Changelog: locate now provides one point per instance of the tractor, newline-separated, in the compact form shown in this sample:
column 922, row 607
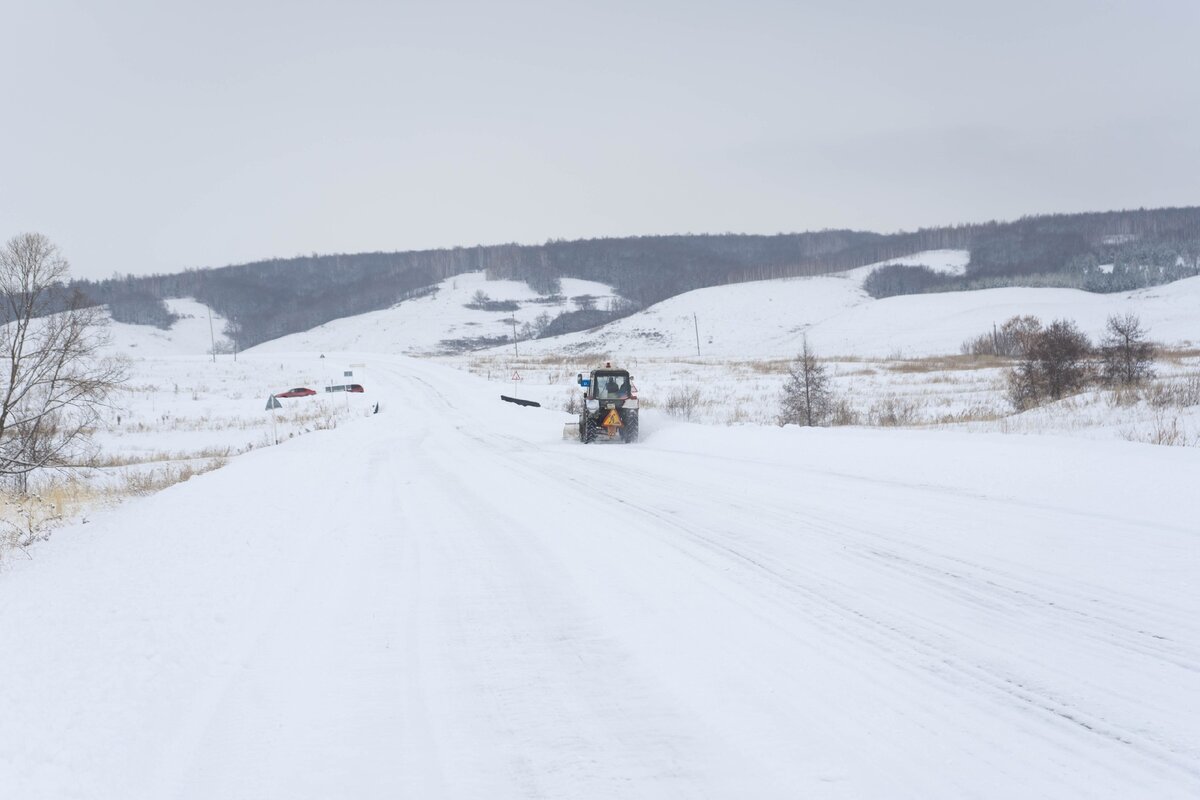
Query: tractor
column 610, row 406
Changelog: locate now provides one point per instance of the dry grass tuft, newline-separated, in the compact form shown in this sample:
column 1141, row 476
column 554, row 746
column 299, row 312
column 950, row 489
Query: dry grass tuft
column 1167, row 432
column 1175, row 394
column 955, row 363
column 155, row 480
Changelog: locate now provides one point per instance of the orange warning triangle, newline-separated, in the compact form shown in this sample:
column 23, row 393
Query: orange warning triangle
column 613, row 420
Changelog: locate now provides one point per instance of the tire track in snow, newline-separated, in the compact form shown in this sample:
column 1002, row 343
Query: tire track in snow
column 952, row 664
column 830, row 605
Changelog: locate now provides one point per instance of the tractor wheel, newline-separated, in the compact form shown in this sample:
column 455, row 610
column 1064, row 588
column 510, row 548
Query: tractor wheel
column 629, row 433
column 588, row 433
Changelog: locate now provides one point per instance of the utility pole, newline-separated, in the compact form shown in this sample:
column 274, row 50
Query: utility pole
column 211, row 336
column 514, row 321
column 696, row 322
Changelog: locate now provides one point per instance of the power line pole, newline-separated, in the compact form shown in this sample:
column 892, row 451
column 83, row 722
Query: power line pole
column 696, row 322
column 211, row 336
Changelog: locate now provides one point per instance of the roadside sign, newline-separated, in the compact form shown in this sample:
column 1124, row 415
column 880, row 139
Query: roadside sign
column 273, row 403
column 517, row 376
column 613, row 420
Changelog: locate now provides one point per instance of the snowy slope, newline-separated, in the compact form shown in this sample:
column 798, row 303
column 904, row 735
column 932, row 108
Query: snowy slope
column 950, row 262
column 933, row 324
column 420, row 325
column 190, row 335
column 769, row 318
column 444, row 600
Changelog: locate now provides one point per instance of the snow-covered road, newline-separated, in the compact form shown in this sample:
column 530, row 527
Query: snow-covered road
column 445, row 600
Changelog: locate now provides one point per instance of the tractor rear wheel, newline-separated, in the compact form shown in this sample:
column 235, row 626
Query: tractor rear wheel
column 629, row 432
column 588, row 428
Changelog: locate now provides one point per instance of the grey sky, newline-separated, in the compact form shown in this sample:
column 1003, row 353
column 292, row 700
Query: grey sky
column 152, row 137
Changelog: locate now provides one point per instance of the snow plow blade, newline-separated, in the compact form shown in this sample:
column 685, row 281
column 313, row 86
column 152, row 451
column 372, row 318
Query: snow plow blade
column 520, row 402
column 571, row 431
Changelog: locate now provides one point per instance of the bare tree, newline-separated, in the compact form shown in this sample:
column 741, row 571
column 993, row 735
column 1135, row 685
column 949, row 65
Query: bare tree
column 1010, row 340
column 1055, row 365
column 1126, row 354
column 1020, row 333
column 807, row 396
column 479, row 299
column 57, row 381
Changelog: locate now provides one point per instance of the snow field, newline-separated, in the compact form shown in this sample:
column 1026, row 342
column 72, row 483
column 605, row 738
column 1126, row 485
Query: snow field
column 446, row 600
column 943, row 392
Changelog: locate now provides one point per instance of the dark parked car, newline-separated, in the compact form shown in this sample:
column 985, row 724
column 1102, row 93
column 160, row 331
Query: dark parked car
column 299, row 391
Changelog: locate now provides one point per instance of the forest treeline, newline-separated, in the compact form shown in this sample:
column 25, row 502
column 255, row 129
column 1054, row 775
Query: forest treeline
column 267, row 299
column 1103, row 252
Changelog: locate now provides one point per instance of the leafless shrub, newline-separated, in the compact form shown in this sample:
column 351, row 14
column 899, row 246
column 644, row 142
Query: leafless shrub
column 893, row 411
column 842, row 413
column 26, row 519
column 1126, row 354
column 1010, row 340
column 1055, row 365
column 682, row 402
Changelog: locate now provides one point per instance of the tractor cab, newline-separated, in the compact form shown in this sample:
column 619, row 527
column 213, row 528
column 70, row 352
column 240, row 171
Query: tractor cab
column 608, row 384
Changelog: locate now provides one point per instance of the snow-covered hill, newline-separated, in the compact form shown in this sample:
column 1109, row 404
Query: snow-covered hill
column 192, row 334
column 768, row 319
column 429, row 324
column 764, row 319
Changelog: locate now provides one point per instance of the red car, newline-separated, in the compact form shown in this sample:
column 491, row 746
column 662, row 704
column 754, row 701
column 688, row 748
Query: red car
column 299, row 391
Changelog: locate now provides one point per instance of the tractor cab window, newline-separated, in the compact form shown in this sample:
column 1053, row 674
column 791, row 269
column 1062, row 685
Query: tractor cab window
column 612, row 387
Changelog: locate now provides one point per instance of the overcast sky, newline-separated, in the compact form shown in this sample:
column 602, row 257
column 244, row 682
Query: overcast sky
column 156, row 136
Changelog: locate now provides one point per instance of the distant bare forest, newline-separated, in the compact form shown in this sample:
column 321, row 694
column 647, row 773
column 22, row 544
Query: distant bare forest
column 264, row 300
